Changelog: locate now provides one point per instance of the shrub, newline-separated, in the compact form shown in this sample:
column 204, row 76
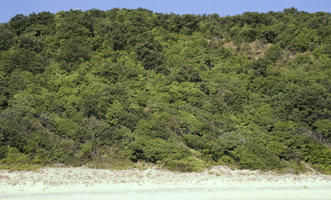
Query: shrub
column 170, row 155
column 16, row 160
column 186, row 164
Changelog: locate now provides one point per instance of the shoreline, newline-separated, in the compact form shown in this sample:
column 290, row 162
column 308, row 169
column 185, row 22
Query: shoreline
column 216, row 183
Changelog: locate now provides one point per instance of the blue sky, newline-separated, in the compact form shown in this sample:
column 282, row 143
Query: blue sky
column 10, row 8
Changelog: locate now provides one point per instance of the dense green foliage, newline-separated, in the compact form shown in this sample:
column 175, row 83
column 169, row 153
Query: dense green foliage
column 250, row 91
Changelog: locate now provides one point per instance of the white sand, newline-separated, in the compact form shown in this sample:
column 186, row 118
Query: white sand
column 151, row 184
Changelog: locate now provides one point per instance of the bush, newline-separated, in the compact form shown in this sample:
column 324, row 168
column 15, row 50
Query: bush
column 186, row 164
column 253, row 156
column 170, row 155
column 226, row 160
column 323, row 127
column 16, row 160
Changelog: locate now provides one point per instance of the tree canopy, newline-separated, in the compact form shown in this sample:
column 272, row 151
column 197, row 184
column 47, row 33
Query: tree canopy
column 112, row 88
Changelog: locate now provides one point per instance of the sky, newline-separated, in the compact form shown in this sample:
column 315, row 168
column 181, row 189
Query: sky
column 9, row 8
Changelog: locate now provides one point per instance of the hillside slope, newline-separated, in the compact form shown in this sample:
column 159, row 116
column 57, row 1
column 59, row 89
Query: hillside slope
column 112, row 88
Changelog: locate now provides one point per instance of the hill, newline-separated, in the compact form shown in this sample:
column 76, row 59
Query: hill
column 117, row 87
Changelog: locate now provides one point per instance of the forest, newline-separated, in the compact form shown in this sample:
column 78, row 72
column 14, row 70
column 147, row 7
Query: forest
column 115, row 88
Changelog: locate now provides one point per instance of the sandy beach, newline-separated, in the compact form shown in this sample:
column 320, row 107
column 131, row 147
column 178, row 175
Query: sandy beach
column 218, row 183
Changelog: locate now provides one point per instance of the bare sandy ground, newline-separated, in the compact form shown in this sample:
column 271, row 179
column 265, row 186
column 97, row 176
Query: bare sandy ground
column 218, row 183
